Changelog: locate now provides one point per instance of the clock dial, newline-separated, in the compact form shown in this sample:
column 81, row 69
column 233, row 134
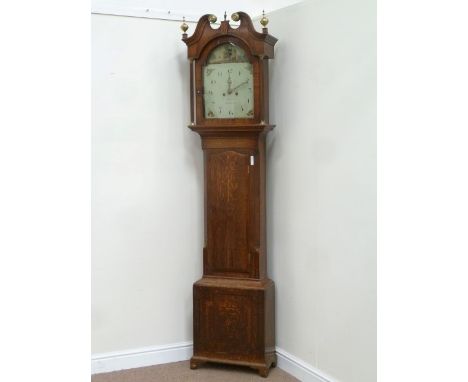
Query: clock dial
column 228, row 84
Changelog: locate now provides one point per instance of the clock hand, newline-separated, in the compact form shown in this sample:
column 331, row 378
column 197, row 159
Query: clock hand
column 236, row 87
column 229, row 91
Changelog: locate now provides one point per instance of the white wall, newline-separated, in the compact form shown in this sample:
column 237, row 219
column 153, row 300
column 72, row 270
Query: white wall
column 192, row 10
column 147, row 199
column 322, row 185
column 147, row 185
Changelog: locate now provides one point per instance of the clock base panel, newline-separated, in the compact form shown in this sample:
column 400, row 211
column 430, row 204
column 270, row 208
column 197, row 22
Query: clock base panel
column 234, row 323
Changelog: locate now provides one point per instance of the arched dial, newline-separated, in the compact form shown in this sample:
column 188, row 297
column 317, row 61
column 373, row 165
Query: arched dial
column 228, row 83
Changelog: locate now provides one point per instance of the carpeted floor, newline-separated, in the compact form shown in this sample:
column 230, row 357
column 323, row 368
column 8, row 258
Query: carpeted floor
column 180, row 371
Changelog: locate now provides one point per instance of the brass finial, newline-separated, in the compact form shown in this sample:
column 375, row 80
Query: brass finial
column 235, row 17
column 264, row 20
column 184, row 25
column 212, row 18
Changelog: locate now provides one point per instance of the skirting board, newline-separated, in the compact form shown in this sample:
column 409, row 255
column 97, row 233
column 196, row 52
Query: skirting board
column 300, row 369
column 148, row 356
column 155, row 355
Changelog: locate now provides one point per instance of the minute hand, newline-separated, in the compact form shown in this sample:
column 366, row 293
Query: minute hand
column 238, row 86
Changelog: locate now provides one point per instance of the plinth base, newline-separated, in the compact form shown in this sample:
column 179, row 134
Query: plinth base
column 262, row 368
column 234, row 323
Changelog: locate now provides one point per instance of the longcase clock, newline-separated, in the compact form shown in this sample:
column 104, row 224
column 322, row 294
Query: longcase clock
column 233, row 303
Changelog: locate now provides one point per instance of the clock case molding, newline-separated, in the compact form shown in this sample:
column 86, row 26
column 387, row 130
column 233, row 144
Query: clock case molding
column 233, row 303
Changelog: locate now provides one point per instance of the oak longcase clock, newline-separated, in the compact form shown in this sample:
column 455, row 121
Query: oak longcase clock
column 233, row 303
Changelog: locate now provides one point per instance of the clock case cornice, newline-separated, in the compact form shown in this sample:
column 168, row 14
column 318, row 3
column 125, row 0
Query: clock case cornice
column 262, row 46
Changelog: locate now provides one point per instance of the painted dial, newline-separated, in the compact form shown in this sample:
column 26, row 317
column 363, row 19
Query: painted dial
column 228, row 84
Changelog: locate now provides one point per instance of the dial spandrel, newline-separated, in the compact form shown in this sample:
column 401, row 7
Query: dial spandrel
column 228, row 83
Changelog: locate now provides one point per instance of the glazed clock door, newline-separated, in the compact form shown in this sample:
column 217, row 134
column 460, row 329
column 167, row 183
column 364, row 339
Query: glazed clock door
column 229, row 190
column 228, row 83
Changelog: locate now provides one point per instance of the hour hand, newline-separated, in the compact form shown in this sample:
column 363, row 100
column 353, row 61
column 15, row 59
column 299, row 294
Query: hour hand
column 236, row 87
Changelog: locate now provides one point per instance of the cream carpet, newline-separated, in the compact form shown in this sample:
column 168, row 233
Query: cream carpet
column 180, row 371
